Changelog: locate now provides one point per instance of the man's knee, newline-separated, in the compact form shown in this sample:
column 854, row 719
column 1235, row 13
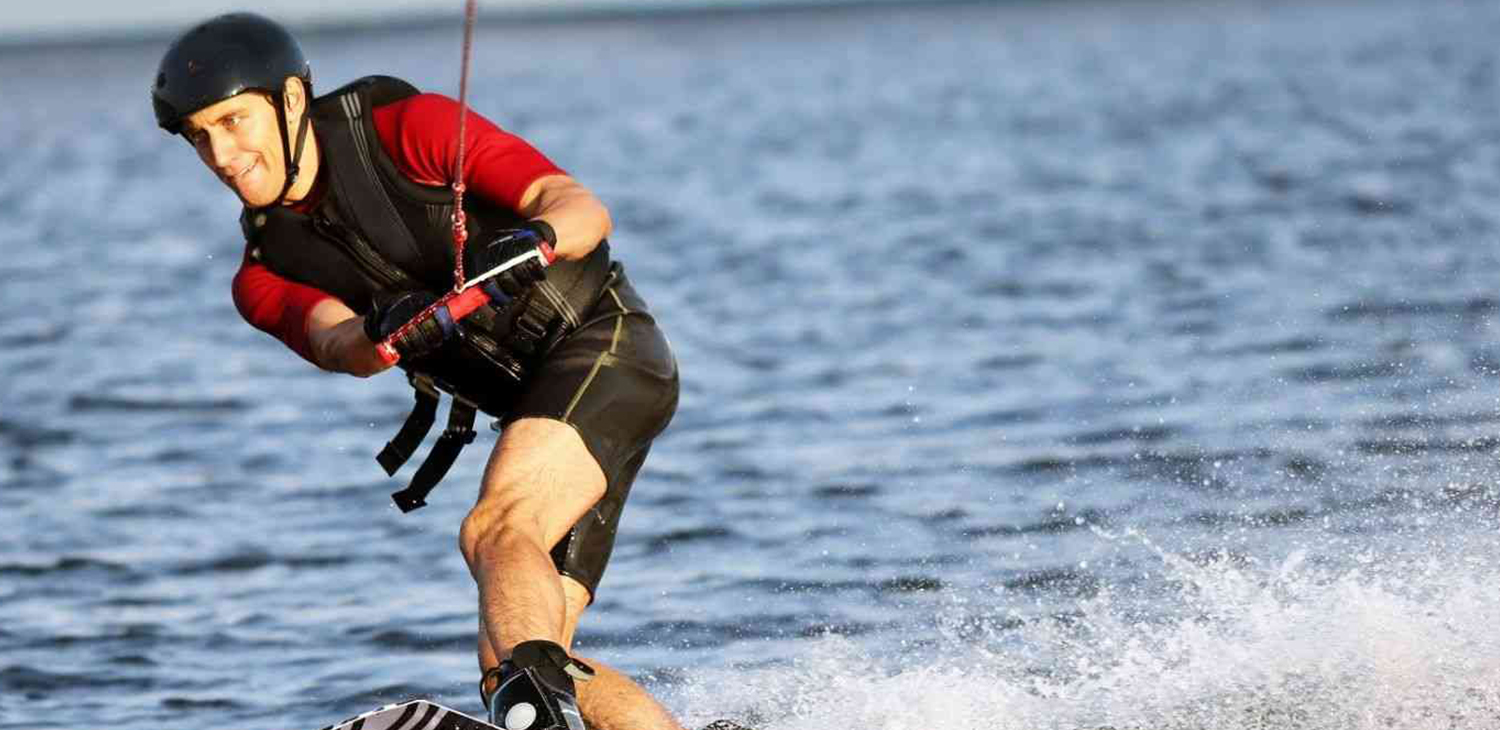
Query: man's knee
column 540, row 480
column 501, row 524
column 485, row 527
column 495, row 524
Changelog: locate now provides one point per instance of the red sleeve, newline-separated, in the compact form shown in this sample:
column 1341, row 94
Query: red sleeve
column 421, row 133
column 277, row 306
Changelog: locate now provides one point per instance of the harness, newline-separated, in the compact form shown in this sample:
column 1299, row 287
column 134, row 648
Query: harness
column 376, row 231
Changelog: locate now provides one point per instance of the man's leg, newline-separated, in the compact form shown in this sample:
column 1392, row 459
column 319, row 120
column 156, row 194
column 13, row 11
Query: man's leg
column 539, row 481
column 609, row 701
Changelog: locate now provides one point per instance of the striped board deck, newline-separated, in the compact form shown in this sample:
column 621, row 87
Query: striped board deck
column 426, row 715
column 413, row 715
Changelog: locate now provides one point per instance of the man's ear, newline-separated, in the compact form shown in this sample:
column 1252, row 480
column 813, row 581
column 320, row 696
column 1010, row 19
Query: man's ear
column 294, row 96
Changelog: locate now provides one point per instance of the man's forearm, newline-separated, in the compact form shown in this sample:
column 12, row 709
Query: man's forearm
column 580, row 220
column 338, row 342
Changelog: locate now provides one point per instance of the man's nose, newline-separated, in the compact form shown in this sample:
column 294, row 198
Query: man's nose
column 221, row 150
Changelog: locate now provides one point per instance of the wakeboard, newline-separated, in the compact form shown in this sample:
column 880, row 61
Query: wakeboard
column 413, row 715
column 427, row 715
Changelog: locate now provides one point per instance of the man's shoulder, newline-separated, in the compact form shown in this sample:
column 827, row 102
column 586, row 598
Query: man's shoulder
column 419, row 105
column 378, row 89
column 423, row 118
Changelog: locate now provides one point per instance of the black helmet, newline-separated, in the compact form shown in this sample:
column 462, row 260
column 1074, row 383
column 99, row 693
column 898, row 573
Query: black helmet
column 222, row 57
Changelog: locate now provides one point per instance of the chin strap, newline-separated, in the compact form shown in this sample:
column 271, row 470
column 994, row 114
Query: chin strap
column 293, row 158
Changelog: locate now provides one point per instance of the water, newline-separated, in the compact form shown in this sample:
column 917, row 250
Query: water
column 1046, row 365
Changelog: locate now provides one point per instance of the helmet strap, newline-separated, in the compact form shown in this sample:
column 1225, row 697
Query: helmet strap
column 293, row 158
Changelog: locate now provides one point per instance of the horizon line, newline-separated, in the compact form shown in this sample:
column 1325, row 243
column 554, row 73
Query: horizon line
column 540, row 13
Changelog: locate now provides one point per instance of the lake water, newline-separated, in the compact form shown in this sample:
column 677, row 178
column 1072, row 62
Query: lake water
column 1046, row 365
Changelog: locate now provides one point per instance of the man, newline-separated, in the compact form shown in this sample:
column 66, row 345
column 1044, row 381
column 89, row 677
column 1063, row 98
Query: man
column 348, row 223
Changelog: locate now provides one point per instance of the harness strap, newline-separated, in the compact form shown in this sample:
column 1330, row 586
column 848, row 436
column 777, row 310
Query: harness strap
column 418, row 423
column 535, row 320
column 458, row 434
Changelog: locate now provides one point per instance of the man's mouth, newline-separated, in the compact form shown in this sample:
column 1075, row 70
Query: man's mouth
column 242, row 173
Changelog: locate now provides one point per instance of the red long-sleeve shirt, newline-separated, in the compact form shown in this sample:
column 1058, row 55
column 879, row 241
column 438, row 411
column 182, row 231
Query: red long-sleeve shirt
column 420, row 133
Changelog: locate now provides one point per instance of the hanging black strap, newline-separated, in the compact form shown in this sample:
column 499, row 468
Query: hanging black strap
column 416, row 427
column 458, row 434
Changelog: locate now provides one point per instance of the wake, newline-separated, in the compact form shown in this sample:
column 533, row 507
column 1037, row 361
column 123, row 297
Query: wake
column 1321, row 637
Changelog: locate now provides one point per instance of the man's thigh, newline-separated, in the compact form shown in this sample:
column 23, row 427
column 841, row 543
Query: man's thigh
column 540, row 477
column 614, row 381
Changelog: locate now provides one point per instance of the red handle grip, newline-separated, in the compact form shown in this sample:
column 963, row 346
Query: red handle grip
column 466, row 302
column 459, row 305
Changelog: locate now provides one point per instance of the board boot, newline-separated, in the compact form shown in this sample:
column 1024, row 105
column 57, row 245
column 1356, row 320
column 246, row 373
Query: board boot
column 535, row 689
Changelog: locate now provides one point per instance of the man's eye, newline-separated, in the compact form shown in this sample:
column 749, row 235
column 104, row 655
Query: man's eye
column 231, row 122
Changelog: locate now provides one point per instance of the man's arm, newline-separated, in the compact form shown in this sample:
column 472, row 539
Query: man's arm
column 314, row 324
column 578, row 218
column 336, row 336
column 420, row 134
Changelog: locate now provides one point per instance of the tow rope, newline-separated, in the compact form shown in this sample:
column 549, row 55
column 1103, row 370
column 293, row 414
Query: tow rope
column 460, row 232
column 462, row 300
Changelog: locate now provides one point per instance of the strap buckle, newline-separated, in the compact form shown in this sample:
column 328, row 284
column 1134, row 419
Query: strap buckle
column 528, row 330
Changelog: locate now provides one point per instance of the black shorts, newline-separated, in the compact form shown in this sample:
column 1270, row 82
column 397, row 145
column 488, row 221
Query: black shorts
column 614, row 380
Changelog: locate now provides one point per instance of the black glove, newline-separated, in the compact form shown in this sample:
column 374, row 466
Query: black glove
column 392, row 311
column 532, row 244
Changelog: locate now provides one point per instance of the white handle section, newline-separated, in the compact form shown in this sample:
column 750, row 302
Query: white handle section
column 535, row 253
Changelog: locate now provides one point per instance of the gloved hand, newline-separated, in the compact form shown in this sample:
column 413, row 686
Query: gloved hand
column 531, row 245
column 392, row 311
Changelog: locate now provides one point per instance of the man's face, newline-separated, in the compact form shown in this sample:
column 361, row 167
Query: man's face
column 239, row 140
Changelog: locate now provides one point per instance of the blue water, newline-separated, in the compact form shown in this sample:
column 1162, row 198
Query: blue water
column 1047, row 365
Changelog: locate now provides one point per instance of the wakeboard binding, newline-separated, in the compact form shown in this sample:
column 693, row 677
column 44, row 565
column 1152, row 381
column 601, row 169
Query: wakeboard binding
column 535, row 689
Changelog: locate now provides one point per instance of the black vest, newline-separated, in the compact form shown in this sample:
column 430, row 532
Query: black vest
column 375, row 230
